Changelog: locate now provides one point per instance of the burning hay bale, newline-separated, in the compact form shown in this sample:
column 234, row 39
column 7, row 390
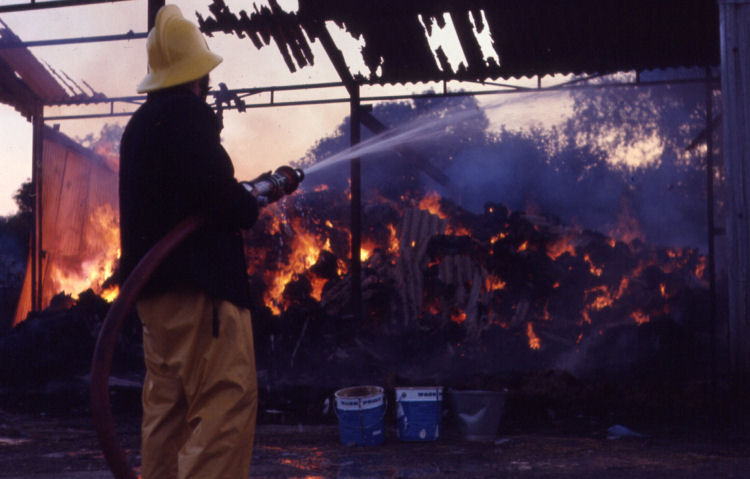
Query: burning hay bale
column 415, row 231
column 445, row 288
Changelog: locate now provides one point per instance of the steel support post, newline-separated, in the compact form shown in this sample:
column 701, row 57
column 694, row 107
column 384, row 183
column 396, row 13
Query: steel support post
column 711, row 224
column 36, row 233
column 735, row 77
column 356, row 209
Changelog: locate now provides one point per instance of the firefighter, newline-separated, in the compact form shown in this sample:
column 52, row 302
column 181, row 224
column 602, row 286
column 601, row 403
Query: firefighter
column 200, row 391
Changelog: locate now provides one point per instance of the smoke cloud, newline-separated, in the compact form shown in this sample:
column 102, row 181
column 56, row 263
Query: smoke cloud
column 569, row 172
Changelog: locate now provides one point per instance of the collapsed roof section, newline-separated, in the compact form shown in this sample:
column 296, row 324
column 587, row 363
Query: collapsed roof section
column 497, row 38
column 26, row 84
column 24, row 81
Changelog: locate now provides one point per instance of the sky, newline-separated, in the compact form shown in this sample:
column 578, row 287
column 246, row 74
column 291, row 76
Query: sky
column 259, row 139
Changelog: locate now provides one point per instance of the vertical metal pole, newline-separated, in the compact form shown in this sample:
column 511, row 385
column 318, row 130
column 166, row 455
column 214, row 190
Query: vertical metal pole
column 711, row 225
column 153, row 8
column 735, row 97
column 36, row 233
column 735, row 76
column 356, row 208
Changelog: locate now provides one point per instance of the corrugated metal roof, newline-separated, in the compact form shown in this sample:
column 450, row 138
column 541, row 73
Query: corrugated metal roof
column 23, row 79
column 26, row 82
column 14, row 92
column 528, row 38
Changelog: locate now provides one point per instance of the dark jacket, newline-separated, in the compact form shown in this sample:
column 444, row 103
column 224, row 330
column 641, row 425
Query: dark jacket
column 172, row 166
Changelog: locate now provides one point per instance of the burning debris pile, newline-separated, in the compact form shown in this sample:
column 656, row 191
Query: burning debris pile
column 445, row 289
column 45, row 360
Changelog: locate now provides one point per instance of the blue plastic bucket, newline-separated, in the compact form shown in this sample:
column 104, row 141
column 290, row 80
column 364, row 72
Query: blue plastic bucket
column 419, row 413
column 360, row 410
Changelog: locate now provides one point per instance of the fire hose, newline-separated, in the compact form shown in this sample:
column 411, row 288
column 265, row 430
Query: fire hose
column 268, row 188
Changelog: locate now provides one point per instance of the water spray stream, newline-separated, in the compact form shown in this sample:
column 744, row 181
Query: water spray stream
column 417, row 131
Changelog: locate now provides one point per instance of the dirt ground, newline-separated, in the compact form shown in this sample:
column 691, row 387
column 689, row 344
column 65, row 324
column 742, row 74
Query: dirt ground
column 43, row 447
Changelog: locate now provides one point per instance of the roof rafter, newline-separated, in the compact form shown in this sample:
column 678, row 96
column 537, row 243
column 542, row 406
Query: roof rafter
column 34, row 5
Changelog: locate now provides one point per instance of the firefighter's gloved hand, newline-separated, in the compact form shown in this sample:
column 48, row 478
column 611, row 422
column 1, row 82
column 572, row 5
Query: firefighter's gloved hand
column 260, row 198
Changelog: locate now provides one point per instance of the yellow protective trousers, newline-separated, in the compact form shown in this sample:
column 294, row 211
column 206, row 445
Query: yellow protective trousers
column 200, row 394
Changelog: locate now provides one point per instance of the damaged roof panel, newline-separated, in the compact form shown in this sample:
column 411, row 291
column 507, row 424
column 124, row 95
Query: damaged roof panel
column 530, row 37
column 26, row 83
column 18, row 62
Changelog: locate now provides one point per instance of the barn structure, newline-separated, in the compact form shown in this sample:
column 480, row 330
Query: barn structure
column 527, row 39
column 71, row 181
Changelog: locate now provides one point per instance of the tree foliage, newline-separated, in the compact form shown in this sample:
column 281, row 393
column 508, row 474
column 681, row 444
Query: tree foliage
column 620, row 153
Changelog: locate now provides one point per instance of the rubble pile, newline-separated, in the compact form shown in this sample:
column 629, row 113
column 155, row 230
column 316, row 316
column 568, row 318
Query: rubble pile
column 446, row 292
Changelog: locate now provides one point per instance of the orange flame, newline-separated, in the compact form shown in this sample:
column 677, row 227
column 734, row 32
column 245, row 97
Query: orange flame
column 274, row 227
column 493, row 283
column 594, row 269
column 678, row 259
column 342, row 267
column 110, row 294
column 498, row 237
column 317, row 287
column 366, row 249
column 602, row 297
column 393, row 244
column 640, row 317
column 560, row 247
column 432, row 306
column 457, row 231
column 700, row 268
column 598, row 298
column 103, row 250
column 534, row 342
column 306, row 248
column 431, row 202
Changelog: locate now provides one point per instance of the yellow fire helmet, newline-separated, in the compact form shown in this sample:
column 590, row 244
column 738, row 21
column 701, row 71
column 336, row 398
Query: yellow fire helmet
column 177, row 52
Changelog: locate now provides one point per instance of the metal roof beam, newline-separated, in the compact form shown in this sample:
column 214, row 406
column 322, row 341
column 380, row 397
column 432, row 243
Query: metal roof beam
column 34, row 5
column 65, row 41
column 337, row 58
column 366, row 99
column 244, row 92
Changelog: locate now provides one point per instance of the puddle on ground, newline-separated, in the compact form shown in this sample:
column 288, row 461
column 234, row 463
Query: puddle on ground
column 9, row 441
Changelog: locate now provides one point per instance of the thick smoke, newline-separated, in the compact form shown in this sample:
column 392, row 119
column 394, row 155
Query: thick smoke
column 567, row 171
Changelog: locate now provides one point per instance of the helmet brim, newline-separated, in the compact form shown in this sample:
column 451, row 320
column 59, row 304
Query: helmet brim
column 185, row 72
